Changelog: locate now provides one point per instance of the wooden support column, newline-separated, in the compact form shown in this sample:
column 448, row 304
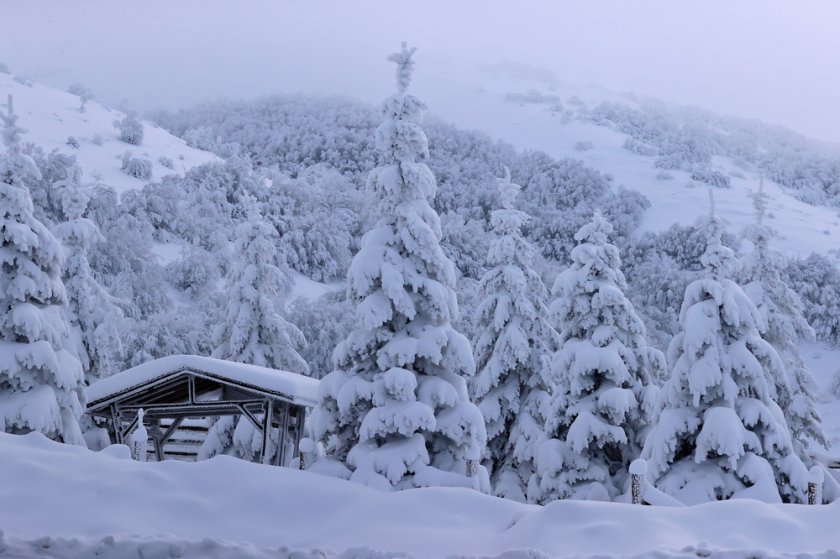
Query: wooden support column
column 300, row 424
column 284, row 433
column 279, row 417
column 265, row 454
column 115, row 419
column 156, row 433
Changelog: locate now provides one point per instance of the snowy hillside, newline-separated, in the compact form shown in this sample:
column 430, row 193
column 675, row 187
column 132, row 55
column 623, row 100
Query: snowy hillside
column 51, row 117
column 519, row 314
column 517, row 108
column 108, row 505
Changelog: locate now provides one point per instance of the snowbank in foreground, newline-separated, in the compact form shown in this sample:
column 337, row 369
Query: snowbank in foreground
column 78, row 497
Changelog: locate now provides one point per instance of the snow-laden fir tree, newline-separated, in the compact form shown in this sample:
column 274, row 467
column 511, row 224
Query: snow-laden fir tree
column 253, row 329
column 781, row 311
column 604, row 396
column 41, row 383
column 94, row 319
column 396, row 410
column 720, row 434
column 512, row 351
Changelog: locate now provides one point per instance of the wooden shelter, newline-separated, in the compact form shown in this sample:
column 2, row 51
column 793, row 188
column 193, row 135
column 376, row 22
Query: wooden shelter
column 176, row 391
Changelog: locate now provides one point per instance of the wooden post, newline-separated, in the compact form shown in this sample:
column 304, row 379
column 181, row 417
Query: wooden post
column 284, row 433
column 638, row 469
column 265, row 454
column 115, row 419
column 815, row 481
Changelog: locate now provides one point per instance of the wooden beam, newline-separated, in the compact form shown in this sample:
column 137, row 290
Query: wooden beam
column 171, row 429
column 251, row 417
column 198, row 406
column 124, row 431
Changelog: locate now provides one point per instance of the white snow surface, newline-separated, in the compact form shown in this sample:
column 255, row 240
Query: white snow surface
column 50, row 116
column 298, row 387
column 64, row 501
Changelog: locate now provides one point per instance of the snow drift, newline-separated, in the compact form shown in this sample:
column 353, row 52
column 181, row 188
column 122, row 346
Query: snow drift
column 83, row 501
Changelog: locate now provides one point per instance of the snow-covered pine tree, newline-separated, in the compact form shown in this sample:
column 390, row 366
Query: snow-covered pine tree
column 41, row 383
column 253, row 329
column 720, row 434
column 604, row 396
column 782, row 313
column 396, row 411
column 512, row 351
column 93, row 317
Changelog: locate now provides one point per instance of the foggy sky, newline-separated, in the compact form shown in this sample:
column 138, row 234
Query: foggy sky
column 768, row 59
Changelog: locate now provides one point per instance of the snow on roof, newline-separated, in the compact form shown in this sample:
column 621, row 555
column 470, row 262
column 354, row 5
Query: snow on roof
column 298, row 388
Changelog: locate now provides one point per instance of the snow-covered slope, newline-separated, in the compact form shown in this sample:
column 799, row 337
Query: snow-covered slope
column 497, row 103
column 107, row 502
column 51, row 116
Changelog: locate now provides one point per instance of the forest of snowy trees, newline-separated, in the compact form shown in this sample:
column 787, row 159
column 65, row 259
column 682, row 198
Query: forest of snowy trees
column 443, row 357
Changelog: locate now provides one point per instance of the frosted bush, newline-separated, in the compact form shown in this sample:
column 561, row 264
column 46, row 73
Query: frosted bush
column 130, row 129
column 137, row 167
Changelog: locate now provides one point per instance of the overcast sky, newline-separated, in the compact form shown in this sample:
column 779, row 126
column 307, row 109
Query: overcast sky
column 768, row 59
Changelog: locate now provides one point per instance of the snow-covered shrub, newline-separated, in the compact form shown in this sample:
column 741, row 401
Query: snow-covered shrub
column 533, row 96
column 130, row 129
column 318, row 218
column 583, row 145
column 82, row 93
column 4, row 69
column 712, row 177
column 639, row 148
column 166, row 162
column 396, row 409
column 603, row 399
column 325, row 322
column 41, row 382
column 512, row 386
column 200, row 138
column 72, row 142
column 465, row 242
column 137, row 167
column 178, row 330
column 195, row 272
column 816, row 279
column 720, row 433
